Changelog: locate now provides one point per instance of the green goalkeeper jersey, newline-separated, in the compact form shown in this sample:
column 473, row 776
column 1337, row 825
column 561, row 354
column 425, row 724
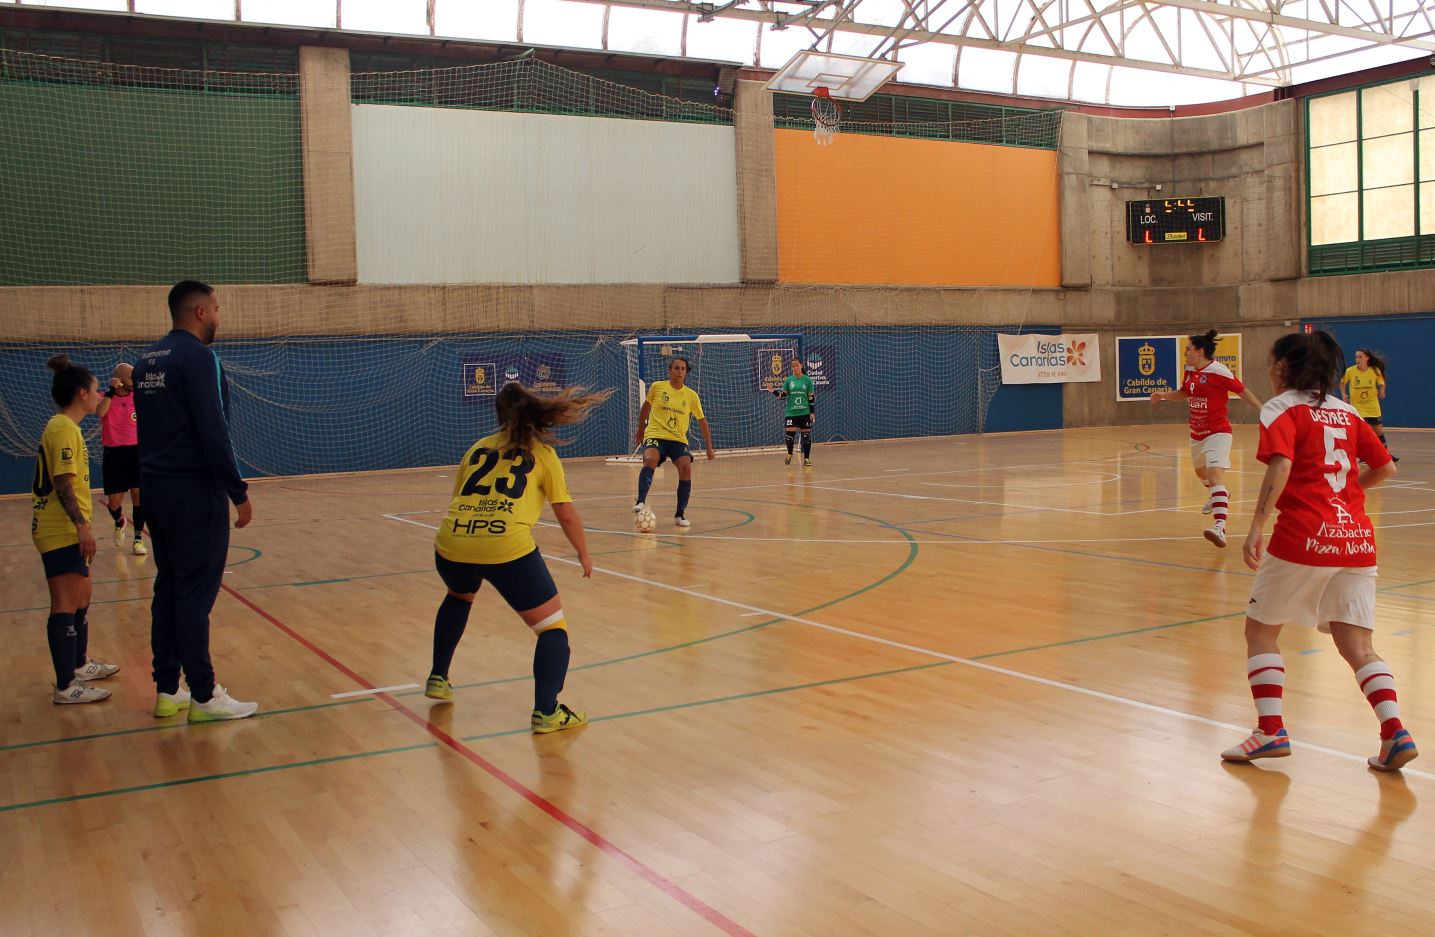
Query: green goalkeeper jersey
column 798, row 391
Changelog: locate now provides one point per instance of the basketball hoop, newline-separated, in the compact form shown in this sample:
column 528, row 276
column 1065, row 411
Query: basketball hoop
column 826, row 116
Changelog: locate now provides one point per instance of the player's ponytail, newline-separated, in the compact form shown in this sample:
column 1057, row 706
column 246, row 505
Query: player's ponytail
column 69, row 380
column 1375, row 359
column 1206, row 344
column 1312, row 362
column 526, row 418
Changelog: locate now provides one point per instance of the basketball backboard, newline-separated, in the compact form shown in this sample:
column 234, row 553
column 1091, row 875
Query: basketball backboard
column 846, row 77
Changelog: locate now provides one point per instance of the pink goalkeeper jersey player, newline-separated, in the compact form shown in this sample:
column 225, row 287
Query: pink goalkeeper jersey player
column 1322, row 519
column 1208, row 389
column 117, row 426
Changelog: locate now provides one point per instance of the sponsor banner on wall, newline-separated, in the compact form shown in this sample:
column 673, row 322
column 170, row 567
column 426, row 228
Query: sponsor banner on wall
column 1147, row 364
column 772, row 365
column 1151, row 363
column 1049, row 359
column 479, row 377
column 821, row 366
column 484, row 374
column 1228, row 352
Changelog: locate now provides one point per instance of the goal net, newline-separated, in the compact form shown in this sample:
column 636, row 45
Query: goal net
column 734, row 376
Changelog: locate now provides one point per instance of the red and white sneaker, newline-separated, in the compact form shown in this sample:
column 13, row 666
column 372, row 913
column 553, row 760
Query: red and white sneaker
column 1260, row 745
column 1395, row 752
column 120, row 529
column 1216, row 535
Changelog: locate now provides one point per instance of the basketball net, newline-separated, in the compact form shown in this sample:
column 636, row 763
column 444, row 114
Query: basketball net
column 826, row 116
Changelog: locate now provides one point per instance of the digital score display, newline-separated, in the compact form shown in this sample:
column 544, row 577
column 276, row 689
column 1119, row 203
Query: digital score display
column 1176, row 220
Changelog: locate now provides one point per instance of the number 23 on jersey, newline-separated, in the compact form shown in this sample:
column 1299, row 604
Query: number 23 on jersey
column 484, row 461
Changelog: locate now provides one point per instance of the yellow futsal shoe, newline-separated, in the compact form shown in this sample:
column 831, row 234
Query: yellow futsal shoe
column 438, row 688
column 560, row 719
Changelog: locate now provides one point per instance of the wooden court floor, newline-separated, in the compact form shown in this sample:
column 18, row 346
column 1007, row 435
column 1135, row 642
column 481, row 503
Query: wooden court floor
column 971, row 686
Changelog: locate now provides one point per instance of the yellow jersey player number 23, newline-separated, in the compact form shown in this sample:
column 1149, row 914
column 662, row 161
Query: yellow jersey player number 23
column 498, row 495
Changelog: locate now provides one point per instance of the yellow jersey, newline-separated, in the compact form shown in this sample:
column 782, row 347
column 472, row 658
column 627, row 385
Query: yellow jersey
column 671, row 410
column 498, row 494
column 62, row 452
column 1364, row 390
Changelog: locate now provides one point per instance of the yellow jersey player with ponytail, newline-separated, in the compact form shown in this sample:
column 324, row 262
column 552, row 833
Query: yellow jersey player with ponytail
column 487, row 536
column 663, row 435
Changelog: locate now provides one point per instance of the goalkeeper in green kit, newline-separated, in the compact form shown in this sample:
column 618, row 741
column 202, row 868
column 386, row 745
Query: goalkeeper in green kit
column 801, row 411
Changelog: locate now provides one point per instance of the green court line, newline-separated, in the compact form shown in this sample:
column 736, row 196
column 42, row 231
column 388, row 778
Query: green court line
column 181, row 724
column 108, row 582
column 266, row 769
column 901, row 568
column 1104, row 637
column 181, row 782
column 1174, row 624
column 911, row 557
column 752, row 694
column 1407, row 585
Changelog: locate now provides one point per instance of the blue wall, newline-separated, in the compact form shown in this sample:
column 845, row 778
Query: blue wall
column 308, row 405
column 1405, row 342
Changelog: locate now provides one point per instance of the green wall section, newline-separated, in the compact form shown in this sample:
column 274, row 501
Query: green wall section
column 100, row 185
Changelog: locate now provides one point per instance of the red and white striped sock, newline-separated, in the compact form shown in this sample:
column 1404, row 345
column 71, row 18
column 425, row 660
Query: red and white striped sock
column 1267, row 674
column 1220, row 504
column 1379, row 688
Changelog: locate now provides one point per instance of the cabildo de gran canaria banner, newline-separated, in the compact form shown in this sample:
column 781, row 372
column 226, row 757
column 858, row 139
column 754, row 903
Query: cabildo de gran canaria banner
column 1150, row 363
column 1049, row 359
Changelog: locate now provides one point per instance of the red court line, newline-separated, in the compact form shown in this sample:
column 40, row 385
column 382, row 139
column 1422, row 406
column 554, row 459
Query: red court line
column 654, row 878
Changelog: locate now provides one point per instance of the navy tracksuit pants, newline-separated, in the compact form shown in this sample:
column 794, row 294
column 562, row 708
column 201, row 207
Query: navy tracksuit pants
column 188, row 520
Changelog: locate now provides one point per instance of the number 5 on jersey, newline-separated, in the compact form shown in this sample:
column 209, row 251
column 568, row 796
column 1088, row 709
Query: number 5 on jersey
column 1334, row 455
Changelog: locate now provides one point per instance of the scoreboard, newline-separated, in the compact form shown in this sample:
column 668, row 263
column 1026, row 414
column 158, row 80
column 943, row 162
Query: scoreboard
column 1176, row 220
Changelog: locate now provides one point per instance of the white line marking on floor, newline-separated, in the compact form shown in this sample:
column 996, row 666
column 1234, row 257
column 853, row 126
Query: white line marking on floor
column 382, row 689
column 978, row 665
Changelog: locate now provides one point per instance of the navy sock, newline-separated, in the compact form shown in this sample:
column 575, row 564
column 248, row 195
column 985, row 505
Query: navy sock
column 114, row 513
column 82, row 636
column 645, row 481
column 806, row 445
column 448, row 628
column 791, row 438
column 685, row 489
column 550, row 666
column 60, row 630
column 137, row 516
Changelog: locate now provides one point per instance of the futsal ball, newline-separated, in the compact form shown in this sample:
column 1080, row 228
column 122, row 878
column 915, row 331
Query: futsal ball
column 646, row 521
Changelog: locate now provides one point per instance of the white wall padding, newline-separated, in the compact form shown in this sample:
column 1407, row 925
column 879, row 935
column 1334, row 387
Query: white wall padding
column 456, row 196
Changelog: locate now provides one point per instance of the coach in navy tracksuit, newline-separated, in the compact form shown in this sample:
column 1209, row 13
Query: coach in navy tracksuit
column 188, row 476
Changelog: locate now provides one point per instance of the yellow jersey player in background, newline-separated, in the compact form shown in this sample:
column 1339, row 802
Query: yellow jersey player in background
column 60, row 527
column 1363, row 386
column 663, row 434
column 487, row 535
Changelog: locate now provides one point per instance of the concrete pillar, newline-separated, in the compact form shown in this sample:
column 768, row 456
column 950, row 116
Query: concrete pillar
column 1075, row 169
column 327, row 132
column 756, row 182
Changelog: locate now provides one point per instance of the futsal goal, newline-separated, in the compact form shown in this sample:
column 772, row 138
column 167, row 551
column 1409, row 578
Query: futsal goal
column 734, row 374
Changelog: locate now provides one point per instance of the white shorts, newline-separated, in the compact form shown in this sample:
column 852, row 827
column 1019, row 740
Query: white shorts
column 1212, row 452
column 1292, row 594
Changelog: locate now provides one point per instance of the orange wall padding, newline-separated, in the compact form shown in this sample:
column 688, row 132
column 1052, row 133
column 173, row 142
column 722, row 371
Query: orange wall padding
column 891, row 210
